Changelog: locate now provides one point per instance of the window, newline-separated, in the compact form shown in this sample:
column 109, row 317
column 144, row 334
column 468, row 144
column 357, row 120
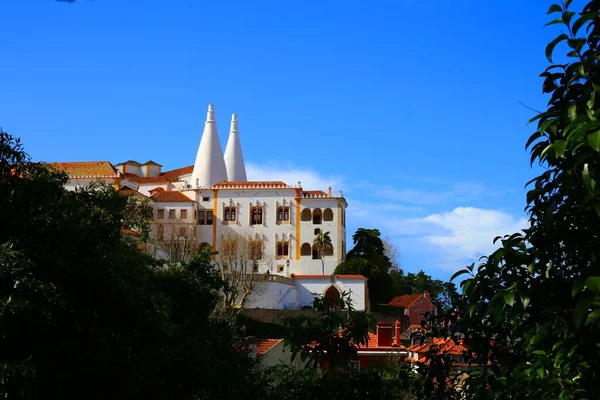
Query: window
column 183, row 214
column 205, row 198
column 256, row 216
column 306, row 215
column 283, row 249
column 172, row 214
column 160, row 214
column 305, row 250
column 183, row 231
column 283, row 214
column 201, row 218
column 255, row 249
column 327, row 215
column 280, row 268
column 317, row 216
column 317, row 231
column 209, row 218
column 422, row 301
column 229, row 247
column 160, row 231
column 229, row 214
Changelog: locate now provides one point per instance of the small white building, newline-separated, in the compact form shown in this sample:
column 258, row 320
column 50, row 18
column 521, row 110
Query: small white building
column 211, row 202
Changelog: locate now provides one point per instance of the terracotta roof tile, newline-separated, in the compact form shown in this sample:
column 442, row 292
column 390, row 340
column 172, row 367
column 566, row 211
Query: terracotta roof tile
column 327, row 276
column 253, row 184
column 174, row 174
column 171, row 197
column 404, row 301
column 314, row 193
column 264, row 345
column 101, row 169
column 147, row 179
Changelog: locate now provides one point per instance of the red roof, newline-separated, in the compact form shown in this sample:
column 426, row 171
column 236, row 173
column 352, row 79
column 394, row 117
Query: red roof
column 314, row 193
column 404, row 301
column 174, row 174
column 77, row 169
column 147, row 179
column 253, row 184
column 328, row 276
column 171, row 197
column 264, row 345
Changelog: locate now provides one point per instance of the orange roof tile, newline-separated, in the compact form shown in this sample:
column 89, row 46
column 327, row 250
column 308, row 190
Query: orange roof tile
column 100, row 169
column 148, row 179
column 253, row 184
column 327, row 276
column 264, row 345
column 174, row 174
column 314, row 193
column 156, row 189
column 404, row 301
column 132, row 192
column 171, row 197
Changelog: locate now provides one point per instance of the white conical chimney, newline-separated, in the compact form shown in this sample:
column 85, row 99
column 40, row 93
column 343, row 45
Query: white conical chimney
column 209, row 167
column 234, row 159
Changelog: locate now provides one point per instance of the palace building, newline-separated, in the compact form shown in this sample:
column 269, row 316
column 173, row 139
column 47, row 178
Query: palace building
column 271, row 224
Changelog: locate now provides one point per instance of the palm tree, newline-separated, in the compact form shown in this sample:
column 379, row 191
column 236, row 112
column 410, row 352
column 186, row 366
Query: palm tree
column 322, row 243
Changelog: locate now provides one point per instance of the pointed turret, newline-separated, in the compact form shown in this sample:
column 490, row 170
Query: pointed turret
column 209, row 167
column 234, row 159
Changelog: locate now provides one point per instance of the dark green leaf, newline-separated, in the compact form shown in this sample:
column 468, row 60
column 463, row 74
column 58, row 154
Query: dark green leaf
column 593, row 284
column 554, row 8
column 555, row 21
column 553, row 44
column 581, row 309
column 539, row 353
column 559, row 147
column 572, row 111
column 525, row 299
column 582, row 20
column 459, row 273
column 509, row 298
column 587, row 179
column 594, row 140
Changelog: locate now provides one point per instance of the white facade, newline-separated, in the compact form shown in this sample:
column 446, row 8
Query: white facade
column 218, row 202
column 353, row 285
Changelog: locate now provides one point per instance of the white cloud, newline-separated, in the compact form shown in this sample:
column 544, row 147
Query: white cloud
column 310, row 180
column 455, row 192
column 467, row 233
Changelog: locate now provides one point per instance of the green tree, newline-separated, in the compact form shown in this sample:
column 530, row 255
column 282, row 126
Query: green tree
column 84, row 312
column 538, row 295
column 322, row 243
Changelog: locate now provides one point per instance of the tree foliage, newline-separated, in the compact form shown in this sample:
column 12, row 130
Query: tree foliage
column 84, row 313
column 538, row 295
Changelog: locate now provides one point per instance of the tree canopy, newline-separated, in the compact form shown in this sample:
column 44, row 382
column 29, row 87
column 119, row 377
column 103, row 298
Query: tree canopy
column 538, row 295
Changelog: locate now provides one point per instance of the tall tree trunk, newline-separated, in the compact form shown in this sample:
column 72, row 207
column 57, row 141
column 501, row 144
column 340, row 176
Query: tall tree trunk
column 322, row 263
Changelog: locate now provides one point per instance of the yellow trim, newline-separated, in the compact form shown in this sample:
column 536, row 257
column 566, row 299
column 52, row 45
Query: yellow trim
column 339, row 233
column 215, row 217
column 124, row 168
column 298, row 198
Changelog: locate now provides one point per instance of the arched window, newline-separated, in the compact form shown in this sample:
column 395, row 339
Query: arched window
column 256, row 215
column 328, row 251
column 229, row 214
column 283, row 249
column 327, row 214
column 255, row 249
column 305, row 250
column 283, row 214
column 306, row 215
column 317, row 216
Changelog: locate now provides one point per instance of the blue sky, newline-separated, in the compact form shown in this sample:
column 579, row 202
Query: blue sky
column 410, row 107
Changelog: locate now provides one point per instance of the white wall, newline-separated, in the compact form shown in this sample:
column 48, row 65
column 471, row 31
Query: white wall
column 355, row 287
column 271, row 231
column 273, row 295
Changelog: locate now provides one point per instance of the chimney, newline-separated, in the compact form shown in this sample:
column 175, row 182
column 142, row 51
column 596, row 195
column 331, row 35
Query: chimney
column 426, row 295
column 384, row 334
column 329, row 191
column 398, row 330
